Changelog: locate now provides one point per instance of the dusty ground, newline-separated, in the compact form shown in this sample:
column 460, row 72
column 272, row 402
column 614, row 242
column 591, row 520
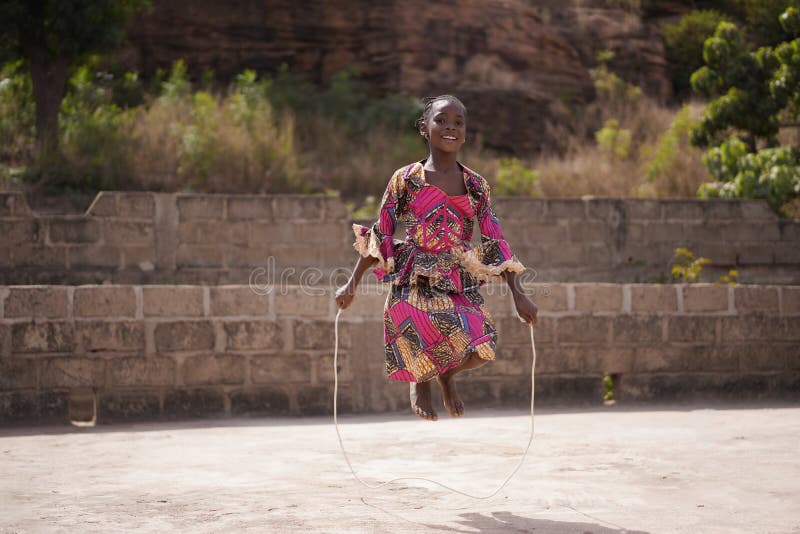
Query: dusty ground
column 679, row 469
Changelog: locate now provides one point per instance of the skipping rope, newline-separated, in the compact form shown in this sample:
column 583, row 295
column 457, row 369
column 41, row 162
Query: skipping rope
column 376, row 486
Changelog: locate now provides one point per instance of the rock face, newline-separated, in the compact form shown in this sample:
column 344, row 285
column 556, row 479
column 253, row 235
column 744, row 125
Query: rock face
column 512, row 62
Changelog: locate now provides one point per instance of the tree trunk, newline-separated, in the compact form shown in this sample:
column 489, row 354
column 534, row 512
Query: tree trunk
column 49, row 83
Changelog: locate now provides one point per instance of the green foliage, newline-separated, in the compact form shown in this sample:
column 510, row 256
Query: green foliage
column 772, row 174
column 515, row 179
column 669, row 147
column 684, row 44
column 729, row 279
column 17, row 112
column 608, row 388
column 687, row 268
column 762, row 20
column 611, row 87
column 614, row 141
column 45, row 30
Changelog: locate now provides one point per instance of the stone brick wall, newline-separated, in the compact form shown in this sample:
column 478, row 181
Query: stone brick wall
column 149, row 238
column 151, row 351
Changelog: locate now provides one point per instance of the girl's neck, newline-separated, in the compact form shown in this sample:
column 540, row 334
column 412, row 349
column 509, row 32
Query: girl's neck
column 439, row 161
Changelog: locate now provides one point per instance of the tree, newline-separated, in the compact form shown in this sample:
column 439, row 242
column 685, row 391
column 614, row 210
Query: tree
column 755, row 94
column 51, row 36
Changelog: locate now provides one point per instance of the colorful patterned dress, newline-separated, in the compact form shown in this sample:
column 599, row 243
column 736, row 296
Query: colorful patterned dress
column 434, row 314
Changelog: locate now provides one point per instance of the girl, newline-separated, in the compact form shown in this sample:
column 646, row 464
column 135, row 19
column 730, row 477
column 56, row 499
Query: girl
column 435, row 322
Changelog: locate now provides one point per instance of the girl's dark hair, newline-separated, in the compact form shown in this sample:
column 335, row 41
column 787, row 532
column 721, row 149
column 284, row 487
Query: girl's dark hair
column 428, row 102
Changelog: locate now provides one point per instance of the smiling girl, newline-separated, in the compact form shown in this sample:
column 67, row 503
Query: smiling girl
column 435, row 321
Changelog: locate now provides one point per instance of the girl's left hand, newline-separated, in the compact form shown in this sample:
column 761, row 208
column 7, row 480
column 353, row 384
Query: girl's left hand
column 526, row 309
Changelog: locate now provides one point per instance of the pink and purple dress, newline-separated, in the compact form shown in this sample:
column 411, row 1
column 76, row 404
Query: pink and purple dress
column 434, row 314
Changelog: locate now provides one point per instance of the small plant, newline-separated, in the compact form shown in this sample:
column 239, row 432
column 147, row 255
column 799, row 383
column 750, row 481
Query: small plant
column 608, row 389
column 687, row 268
column 729, row 278
column 514, row 178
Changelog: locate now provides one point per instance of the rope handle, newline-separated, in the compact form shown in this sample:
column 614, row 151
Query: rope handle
column 454, row 490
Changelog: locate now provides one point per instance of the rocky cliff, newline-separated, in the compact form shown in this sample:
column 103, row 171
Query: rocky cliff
column 514, row 63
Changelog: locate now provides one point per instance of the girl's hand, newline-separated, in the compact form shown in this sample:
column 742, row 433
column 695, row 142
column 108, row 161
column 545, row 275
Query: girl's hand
column 345, row 295
column 526, row 309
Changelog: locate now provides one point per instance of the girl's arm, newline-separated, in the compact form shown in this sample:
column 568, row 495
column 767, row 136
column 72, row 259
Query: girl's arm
column 526, row 308
column 346, row 293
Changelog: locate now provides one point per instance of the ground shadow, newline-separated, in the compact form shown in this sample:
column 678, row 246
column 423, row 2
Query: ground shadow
column 508, row 522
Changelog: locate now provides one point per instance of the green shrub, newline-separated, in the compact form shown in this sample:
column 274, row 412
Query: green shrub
column 515, row 179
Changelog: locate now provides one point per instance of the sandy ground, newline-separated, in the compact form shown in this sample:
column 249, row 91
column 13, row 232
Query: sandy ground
column 707, row 469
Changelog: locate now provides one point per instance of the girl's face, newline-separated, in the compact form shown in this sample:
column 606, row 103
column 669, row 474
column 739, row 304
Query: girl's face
column 446, row 126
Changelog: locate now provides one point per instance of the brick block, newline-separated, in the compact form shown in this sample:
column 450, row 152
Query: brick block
column 18, row 373
column 757, row 210
column 103, row 205
column 199, row 256
column 99, row 301
column 280, row 368
column 127, row 406
column 213, row 369
column 598, row 297
column 689, row 329
column 139, row 257
column 583, row 329
column 170, row 301
column 723, row 209
column 191, row 403
column 720, row 358
column 753, row 328
column 136, row 205
column 237, row 301
column 302, row 302
column 291, row 207
column 784, row 253
column 44, row 301
column 367, row 304
column 548, row 297
column 191, row 207
column 587, row 232
column 317, row 400
column 608, row 360
column 637, row 329
column 704, row 298
column 216, row 232
column 128, row 233
column 755, row 299
column 736, row 232
column 754, row 357
column 666, row 232
column 253, row 257
column 536, row 233
column 253, row 335
column 247, row 207
column 141, row 371
column 641, row 209
column 683, row 210
column 184, row 335
column 93, row 257
column 654, row 298
column 116, row 336
column 56, row 336
column 754, row 254
column 566, row 209
column 662, row 358
column 39, row 257
column 313, row 334
column 260, row 400
column 790, row 297
column 513, row 331
column 71, row 372
column 17, row 232
column 69, row 229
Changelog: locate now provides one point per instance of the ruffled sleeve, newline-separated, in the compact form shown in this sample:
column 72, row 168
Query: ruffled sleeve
column 493, row 256
column 377, row 240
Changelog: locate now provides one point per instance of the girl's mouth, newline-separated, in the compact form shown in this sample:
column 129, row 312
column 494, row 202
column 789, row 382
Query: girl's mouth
column 449, row 137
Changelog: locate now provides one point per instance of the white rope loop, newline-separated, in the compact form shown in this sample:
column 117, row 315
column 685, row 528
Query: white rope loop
column 376, row 486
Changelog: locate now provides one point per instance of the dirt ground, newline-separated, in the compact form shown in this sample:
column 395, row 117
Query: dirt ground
column 699, row 469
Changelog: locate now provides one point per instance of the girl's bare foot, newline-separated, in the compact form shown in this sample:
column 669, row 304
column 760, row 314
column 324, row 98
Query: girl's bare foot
column 452, row 402
column 421, row 403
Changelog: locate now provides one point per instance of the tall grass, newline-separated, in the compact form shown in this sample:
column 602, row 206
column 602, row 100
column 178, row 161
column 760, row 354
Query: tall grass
column 279, row 133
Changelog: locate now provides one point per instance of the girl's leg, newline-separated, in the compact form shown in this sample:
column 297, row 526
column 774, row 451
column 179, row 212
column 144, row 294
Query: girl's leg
column 421, row 403
column 452, row 401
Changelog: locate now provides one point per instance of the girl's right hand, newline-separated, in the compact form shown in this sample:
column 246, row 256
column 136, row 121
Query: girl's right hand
column 345, row 295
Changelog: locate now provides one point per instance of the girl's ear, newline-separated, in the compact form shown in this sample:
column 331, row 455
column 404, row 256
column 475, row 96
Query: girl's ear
column 423, row 130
